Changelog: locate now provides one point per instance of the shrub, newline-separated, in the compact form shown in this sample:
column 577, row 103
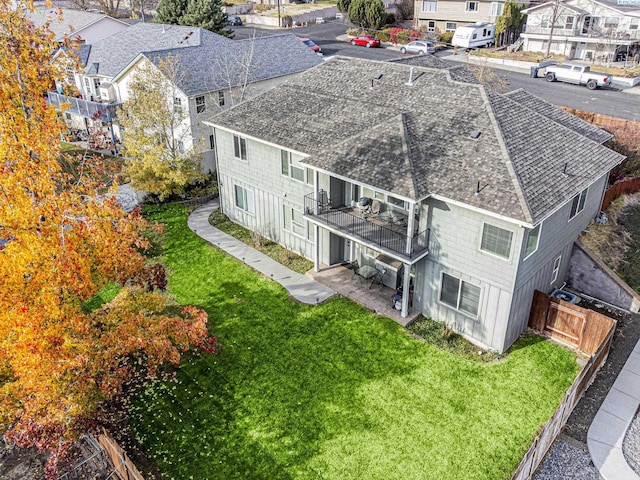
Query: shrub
column 262, row 7
column 390, row 20
column 383, row 35
column 445, row 37
column 287, row 21
column 354, row 32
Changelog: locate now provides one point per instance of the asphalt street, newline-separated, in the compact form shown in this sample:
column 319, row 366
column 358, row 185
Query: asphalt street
column 610, row 101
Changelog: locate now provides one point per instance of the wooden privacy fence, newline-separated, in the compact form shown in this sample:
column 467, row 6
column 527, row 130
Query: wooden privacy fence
column 623, row 187
column 124, row 467
column 597, row 333
column 570, row 324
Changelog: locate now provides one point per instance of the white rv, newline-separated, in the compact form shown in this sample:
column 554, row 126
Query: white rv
column 474, row 35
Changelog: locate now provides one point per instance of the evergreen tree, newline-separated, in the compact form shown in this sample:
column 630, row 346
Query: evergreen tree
column 509, row 24
column 369, row 14
column 170, row 11
column 343, row 5
column 206, row 14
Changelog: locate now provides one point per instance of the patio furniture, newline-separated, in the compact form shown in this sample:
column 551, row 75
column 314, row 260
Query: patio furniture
column 378, row 278
column 366, row 272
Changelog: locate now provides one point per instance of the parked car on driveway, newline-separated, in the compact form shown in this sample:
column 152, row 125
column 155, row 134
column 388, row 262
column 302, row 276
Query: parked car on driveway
column 420, row 47
column 310, row 44
column 365, row 41
column 234, row 20
column 578, row 74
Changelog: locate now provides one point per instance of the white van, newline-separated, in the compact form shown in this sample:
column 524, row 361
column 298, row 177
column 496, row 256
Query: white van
column 474, row 35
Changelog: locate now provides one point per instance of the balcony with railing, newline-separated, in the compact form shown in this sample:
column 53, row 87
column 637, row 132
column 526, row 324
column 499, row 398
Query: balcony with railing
column 611, row 34
column 382, row 232
column 105, row 112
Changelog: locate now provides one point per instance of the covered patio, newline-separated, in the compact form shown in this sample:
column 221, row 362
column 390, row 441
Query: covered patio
column 372, row 295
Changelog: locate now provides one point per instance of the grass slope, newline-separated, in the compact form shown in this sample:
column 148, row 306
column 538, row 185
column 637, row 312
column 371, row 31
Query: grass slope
column 332, row 391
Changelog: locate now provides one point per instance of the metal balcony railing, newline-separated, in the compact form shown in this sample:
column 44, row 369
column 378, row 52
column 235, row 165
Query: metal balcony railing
column 368, row 230
column 105, row 112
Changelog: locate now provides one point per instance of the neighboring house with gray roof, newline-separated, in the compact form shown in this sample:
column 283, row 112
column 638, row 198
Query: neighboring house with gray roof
column 477, row 196
column 79, row 25
column 597, row 30
column 216, row 72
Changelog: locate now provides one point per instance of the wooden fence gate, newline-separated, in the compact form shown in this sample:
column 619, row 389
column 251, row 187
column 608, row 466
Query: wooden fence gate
column 570, row 324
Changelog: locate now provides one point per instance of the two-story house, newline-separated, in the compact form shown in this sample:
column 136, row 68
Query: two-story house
column 215, row 72
column 478, row 196
column 597, row 30
column 78, row 25
column 439, row 16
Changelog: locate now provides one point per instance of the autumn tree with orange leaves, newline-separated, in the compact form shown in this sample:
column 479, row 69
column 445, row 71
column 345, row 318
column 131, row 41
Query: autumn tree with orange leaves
column 62, row 239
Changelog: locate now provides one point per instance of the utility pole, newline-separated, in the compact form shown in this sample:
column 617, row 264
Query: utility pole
column 279, row 18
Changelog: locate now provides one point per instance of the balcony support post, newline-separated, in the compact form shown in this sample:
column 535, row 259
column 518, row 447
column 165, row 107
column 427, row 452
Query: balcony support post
column 406, row 285
column 410, row 223
column 316, row 248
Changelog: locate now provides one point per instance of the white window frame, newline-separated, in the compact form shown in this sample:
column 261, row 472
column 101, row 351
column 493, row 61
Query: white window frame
column 633, row 23
column 468, row 5
column 243, row 198
column 568, row 25
column 496, row 9
column 221, row 99
column 429, row 5
column 577, row 203
column 459, row 296
column 556, row 269
column 286, row 160
column 297, row 228
column 201, row 104
column 431, row 26
column 450, row 26
column 240, row 147
column 526, row 241
column 491, row 252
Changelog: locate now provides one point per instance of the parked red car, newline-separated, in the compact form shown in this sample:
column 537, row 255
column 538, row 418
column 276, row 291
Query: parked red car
column 310, row 44
column 365, row 41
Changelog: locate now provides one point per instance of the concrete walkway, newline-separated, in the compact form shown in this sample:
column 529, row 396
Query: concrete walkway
column 608, row 429
column 302, row 288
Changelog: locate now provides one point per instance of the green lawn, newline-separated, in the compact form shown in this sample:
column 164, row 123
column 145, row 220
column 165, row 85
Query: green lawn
column 332, row 391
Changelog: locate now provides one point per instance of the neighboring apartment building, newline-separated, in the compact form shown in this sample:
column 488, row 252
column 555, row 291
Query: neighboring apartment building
column 79, row 25
column 478, row 196
column 215, row 72
column 439, row 16
column 602, row 30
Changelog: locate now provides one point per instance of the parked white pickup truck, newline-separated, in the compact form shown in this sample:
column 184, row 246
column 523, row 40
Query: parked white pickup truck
column 578, row 74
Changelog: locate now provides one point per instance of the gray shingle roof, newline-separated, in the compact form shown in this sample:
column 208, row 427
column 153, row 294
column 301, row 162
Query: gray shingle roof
column 558, row 115
column 211, row 62
column 110, row 55
column 414, row 140
column 214, row 66
column 71, row 19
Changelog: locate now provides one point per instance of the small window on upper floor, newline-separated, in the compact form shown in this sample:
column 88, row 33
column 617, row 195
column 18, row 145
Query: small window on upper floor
column 496, row 240
column 577, row 203
column 212, row 142
column 533, row 239
column 239, row 147
column 201, row 104
column 288, row 168
column 221, row 99
column 471, row 7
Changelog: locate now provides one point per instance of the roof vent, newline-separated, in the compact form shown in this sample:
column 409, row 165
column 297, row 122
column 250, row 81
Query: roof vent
column 475, row 134
column 377, row 76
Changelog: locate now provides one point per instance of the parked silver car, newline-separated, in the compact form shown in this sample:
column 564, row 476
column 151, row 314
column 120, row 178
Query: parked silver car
column 419, row 46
